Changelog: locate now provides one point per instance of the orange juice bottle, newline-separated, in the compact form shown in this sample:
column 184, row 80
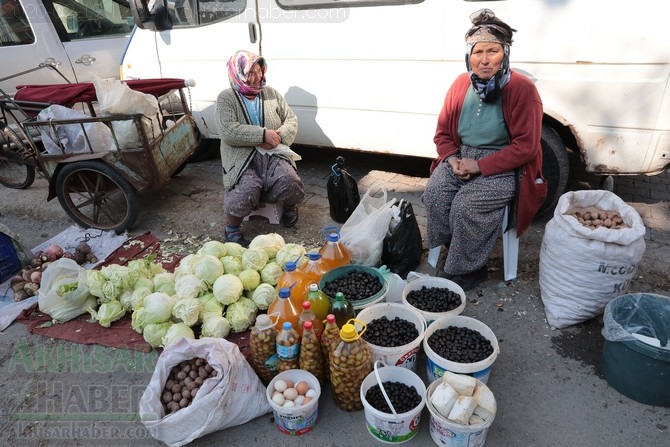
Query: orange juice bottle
column 296, row 280
column 315, row 268
column 284, row 307
column 333, row 252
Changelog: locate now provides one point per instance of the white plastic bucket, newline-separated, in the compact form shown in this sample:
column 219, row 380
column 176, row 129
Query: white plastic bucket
column 300, row 419
column 450, row 434
column 392, row 428
column 430, row 281
column 436, row 365
column 405, row 355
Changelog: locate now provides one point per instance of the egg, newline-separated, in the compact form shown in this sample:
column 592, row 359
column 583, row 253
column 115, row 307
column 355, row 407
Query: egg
column 306, row 400
column 289, row 384
column 290, row 394
column 278, row 398
column 299, row 400
column 288, row 403
column 302, row 387
column 281, row 385
column 311, row 393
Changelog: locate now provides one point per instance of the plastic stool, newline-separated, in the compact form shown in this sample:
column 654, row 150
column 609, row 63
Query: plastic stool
column 271, row 211
column 510, row 250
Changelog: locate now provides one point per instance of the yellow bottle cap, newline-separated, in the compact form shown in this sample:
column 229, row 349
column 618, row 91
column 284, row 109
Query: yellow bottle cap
column 348, row 332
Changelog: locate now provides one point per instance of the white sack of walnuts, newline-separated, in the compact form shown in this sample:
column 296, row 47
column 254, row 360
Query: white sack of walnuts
column 233, row 397
column 581, row 270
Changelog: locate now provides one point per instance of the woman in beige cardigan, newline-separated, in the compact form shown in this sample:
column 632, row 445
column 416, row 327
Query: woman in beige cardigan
column 256, row 126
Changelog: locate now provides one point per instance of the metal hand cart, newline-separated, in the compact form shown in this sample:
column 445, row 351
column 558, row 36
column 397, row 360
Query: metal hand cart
column 96, row 186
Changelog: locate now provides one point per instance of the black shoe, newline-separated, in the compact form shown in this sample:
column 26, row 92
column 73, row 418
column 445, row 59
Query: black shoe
column 238, row 239
column 290, row 216
column 442, row 274
column 468, row 281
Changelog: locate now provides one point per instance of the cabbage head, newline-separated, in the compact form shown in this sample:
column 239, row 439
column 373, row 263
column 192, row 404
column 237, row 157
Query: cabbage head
column 227, row 289
column 94, row 282
column 186, row 265
column 146, row 266
column 209, row 306
column 137, row 320
column 271, row 243
column 153, row 333
column 291, row 252
column 241, row 314
column 263, row 295
column 271, row 273
column 110, row 291
column 122, row 277
column 158, row 307
column 144, row 281
column 250, row 279
column 175, row 332
column 254, row 258
column 234, row 249
column 164, row 282
column 189, row 286
column 208, row 268
column 217, row 327
column 137, row 296
column 187, row 310
column 231, row 265
column 107, row 313
column 126, row 300
column 214, row 248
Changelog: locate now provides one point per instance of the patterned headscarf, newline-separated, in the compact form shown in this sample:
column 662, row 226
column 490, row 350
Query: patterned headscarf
column 240, row 65
column 486, row 27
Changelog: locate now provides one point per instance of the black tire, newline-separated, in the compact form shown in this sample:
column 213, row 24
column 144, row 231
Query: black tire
column 94, row 195
column 14, row 173
column 555, row 168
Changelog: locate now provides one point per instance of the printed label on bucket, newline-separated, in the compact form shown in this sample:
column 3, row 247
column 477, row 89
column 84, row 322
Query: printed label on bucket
column 435, row 371
column 395, row 432
column 407, row 360
column 296, row 424
column 445, row 437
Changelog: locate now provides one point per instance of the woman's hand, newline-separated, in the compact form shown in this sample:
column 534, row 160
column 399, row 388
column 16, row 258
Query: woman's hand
column 271, row 139
column 464, row 168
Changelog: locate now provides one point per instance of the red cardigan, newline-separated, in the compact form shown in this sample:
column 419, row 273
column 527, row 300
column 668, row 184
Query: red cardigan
column 522, row 111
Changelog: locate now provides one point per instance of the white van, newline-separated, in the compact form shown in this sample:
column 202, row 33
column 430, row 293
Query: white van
column 371, row 75
column 81, row 38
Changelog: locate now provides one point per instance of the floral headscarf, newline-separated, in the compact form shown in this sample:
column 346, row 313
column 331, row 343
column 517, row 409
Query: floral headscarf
column 240, row 65
column 486, row 27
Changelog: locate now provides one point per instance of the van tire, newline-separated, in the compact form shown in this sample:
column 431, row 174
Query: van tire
column 555, row 168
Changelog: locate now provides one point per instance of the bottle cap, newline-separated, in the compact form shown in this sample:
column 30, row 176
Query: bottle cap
column 313, row 287
column 290, row 266
column 284, row 292
column 263, row 321
column 306, row 305
column 313, row 256
column 287, row 326
column 339, row 296
column 348, row 332
column 307, row 325
column 333, row 237
column 330, row 318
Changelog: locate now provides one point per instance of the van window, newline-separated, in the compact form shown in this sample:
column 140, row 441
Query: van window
column 185, row 13
column 14, row 26
column 84, row 19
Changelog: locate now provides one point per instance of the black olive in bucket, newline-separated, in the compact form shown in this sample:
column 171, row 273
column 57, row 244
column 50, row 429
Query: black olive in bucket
column 403, row 397
column 460, row 344
column 390, row 333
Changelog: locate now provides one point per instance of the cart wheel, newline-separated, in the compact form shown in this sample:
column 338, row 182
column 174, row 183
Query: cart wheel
column 14, row 173
column 94, row 195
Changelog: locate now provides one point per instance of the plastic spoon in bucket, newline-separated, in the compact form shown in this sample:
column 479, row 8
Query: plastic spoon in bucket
column 381, row 387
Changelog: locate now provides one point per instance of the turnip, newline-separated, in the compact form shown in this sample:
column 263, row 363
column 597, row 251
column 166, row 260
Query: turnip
column 54, row 252
column 36, row 276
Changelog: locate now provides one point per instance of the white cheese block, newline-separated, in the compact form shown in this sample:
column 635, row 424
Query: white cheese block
column 464, row 385
column 486, row 402
column 475, row 420
column 462, row 410
column 443, row 399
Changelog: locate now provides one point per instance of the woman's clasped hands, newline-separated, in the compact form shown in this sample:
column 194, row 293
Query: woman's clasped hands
column 464, row 168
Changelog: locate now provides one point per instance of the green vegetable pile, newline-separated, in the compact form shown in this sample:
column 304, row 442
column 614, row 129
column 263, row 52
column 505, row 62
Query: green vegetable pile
column 216, row 290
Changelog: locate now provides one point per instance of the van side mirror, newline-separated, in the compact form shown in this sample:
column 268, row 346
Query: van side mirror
column 153, row 17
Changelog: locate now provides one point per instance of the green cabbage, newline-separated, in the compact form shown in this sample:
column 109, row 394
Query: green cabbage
column 153, row 333
column 144, row 281
column 189, row 286
column 186, row 265
column 164, row 282
column 217, row 327
column 120, row 275
column 209, row 306
column 158, row 307
column 208, row 268
column 241, row 314
column 227, row 289
column 146, row 266
column 231, row 265
column 271, row 273
column 137, row 296
column 138, row 319
column 126, row 300
column 250, row 279
column 175, row 332
column 94, row 282
column 291, row 252
column 214, row 248
column 187, row 310
column 263, row 295
column 234, row 249
column 271, row 243
column 110, row 291
column 254, row 258
column 107, row 313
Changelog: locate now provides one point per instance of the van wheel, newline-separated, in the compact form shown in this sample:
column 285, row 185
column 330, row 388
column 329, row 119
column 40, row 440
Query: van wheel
column 555, row 167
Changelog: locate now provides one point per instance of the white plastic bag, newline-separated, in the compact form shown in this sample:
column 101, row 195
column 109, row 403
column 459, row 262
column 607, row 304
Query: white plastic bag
column 63, row 293
column 116, row 98
column 363, row 232
column 235, row 396
column 581, row 270
column 73, row 136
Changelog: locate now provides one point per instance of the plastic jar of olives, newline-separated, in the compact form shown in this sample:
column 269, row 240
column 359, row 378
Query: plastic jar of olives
column 350, row 363
column 262, row 340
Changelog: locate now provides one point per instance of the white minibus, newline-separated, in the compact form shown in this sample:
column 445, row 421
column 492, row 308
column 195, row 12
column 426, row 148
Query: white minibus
column 371, row 75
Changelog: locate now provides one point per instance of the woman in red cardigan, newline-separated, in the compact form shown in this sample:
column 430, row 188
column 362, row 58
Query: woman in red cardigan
column 489, row 154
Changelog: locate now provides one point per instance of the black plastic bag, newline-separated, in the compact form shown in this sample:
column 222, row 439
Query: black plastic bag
column 402, row 245
column 343, row 196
